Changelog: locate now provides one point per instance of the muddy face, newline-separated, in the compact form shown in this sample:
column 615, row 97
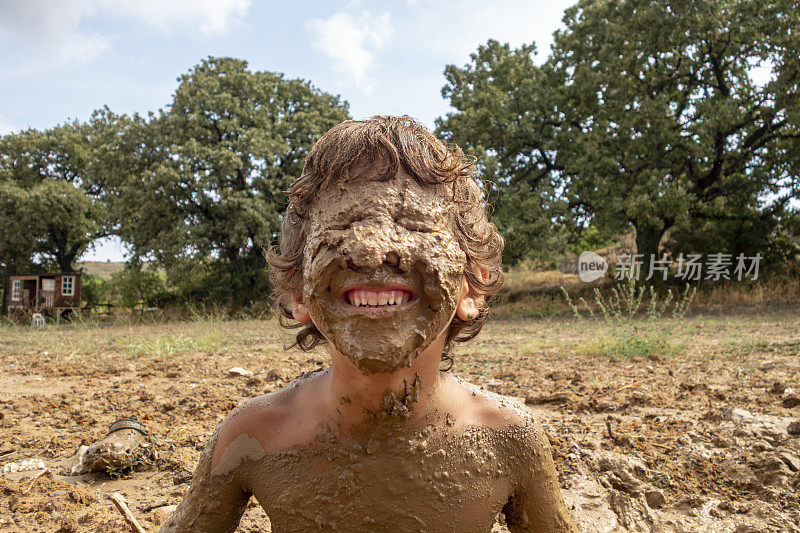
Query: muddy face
column 382, row 269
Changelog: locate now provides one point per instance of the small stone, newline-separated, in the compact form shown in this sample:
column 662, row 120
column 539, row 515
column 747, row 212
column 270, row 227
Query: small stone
column 68, row 525
column 761, row 445
column 655, row 499
column 559, row 397
column 23, row 466
column 791, row 401
column 777, row 388
column 239, row 371
column 794, row 428
column 735, row 414
column 791, row 461
column 274, row 375
column 161, row 514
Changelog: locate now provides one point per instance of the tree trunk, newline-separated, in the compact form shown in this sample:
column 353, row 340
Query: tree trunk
column 65, row 263
column 4, row 300
column 647, row 240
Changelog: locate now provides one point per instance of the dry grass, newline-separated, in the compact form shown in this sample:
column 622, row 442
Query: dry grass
column 103, row 269
column 82, row 339
column 701, row 334
column 525, row 279
column 738, row 293
column 534, row 293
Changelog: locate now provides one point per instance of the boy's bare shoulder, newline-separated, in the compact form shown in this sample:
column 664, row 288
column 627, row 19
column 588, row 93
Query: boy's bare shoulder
column 482, row 408
column 272, row 419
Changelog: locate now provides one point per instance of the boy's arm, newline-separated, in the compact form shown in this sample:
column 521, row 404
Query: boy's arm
column 215, row 502
column 537, row 503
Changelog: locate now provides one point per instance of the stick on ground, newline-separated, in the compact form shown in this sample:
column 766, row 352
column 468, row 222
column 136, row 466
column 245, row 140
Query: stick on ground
column 33, row 479
column 119, row 501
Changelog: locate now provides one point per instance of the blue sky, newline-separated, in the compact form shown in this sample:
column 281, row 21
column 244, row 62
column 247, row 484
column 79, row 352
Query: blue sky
column 61, row 59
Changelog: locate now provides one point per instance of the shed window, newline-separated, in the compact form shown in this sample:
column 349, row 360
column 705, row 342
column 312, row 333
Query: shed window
column 15, row 289
column 67, row 285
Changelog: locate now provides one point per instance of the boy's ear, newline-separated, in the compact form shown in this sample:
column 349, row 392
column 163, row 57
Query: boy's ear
column 299, row 310
column 467, row 308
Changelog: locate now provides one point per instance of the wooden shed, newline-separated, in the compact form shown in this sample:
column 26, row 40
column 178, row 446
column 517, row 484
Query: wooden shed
column 53, row 294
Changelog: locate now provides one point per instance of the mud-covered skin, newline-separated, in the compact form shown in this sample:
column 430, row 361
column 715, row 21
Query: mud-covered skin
column 214, row 502
column 447, row 471
column 375, row 234
column 381, row 441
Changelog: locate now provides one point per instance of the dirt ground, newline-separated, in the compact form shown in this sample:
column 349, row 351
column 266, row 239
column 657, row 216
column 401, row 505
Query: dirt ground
column 689, row 434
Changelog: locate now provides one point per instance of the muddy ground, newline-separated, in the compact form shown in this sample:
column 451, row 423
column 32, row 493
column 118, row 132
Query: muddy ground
column 688, row 436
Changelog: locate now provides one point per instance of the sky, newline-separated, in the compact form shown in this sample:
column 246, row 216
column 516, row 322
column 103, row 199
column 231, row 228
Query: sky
column 62, row 59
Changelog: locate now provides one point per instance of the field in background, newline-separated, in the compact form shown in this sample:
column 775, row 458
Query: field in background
column 640, row 413
column 103, row 269
column 529, row 292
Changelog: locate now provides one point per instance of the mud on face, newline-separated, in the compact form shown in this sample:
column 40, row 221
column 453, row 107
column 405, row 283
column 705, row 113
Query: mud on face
column 390, row 144
column 382, row 269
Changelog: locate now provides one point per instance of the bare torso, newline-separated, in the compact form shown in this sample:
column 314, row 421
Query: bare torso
column 407, row 483
column 453, row 470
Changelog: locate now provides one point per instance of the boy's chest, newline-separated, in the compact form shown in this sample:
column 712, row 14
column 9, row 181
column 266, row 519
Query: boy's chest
column 411, row 487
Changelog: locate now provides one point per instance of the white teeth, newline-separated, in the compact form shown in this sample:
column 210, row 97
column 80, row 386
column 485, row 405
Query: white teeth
column 378, row 298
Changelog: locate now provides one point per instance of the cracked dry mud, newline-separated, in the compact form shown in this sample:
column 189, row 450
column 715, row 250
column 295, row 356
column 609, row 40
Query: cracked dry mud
column 640, row 444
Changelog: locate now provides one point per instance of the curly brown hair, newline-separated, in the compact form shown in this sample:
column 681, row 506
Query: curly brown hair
column 353, row 149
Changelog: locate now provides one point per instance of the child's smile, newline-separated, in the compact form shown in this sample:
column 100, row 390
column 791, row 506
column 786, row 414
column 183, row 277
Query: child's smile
column 367, row 299
column 382, row 269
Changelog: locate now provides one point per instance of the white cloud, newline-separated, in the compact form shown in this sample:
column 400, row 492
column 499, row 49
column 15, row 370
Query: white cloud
column 52, row 27
column 209, row 16
column 351, row 41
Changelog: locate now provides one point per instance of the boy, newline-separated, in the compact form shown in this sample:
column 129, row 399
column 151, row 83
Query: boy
column 387, row 256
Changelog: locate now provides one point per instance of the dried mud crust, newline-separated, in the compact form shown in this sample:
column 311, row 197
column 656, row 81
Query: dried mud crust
column 640, row 444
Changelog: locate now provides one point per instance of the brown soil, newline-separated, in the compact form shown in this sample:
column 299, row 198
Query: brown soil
column 641, row 444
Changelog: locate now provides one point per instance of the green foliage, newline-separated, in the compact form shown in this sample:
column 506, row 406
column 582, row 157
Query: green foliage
column 629, row 340
column 624, row 302
column 658, row 125
column 591, row 239
column 51, row 205
column 627, row 126
column 498, row 98
column 19, row 226
column 660, row 477
column 223, row 153
column 134, row 286
column 742, row 228
column 95, row 290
